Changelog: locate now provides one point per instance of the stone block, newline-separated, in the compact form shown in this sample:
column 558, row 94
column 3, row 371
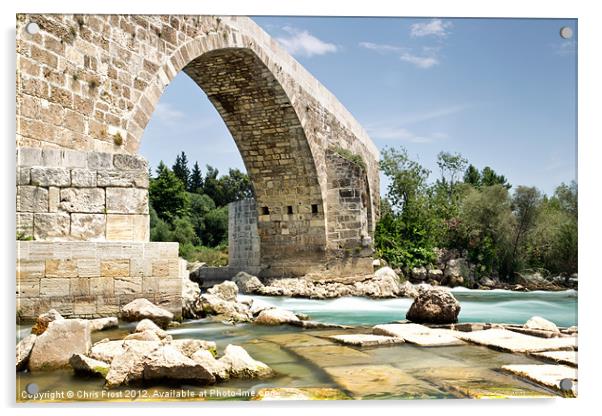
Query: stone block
column 121, row 227
column 127, row 201
column 150, row 285
column 54, row 197
column 102, row 286
column 25, row 223
column 80, row 287
column 88, row 227
column 83, row 178
column 74, row 159
column 107, row 306
column 54, row 287
column 160, row 268
column 123, row 178
column 45, row 176
column 30, row 269
column 61, row 268
column 128, row 286
column 29, row 288
column 84, row 200
column 115, row 268
column 99, row 160
column 29, row 156
column 51, row 226
column 84, row 306
column 32, row 199
column 129, row 162
column 88, row 267
column 52, row 157
column 23, row 176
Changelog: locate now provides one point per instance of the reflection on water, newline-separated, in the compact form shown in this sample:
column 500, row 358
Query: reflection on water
column 500, row 306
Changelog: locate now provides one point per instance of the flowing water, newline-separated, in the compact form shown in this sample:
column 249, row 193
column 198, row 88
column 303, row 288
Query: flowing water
column 307, row 359
column 499, row 306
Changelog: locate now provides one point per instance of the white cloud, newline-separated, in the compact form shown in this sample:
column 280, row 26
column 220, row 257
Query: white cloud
column 435, row 27
column 427, row 59
column 567, row 47
column 419, row 61
column 301, row 42
column 166, row 112
column 432, row 114
column 383, row 132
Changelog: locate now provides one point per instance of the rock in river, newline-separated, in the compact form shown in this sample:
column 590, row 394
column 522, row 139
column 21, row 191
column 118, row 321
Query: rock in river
column 241, row 364
column 537, row 322
column 247, row 283
column 226, row 290
column 434, row 306
column 141, row 308
column 62, row 339
column 100, row 324
column 86, row 365
column 276, row 316
column 24, row 348
column 44, row 319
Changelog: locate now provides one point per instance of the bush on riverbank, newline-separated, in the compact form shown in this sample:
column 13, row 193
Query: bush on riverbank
column 474, row 213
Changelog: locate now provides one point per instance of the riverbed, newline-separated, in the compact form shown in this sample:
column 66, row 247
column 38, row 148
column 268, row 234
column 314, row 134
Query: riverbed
column 307, row 360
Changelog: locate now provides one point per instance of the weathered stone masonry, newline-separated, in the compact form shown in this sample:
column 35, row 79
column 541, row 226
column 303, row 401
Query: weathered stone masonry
column 90, row 83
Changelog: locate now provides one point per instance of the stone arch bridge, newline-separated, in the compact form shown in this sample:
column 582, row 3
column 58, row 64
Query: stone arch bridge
column 87, row 86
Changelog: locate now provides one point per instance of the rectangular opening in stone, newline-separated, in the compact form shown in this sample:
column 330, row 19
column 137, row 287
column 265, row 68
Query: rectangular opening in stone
column 265, row 211
column 314, row 208
column 289, row 210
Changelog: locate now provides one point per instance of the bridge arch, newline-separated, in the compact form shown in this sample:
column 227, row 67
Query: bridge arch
column 104, row 75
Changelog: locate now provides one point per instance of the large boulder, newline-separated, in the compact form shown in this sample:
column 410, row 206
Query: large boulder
column 276, row 316
column 434, row 306
column 247, row 283
column 106, row 350
column 148, row 325
column 418, row 274
column 454, row 270
column 62, row 339
column 217, row 368
column 194, row 270
column 154, row 361
column 100, row 324
column 539, row 323
column 146, row 335
column 240, row 364
column 189, row 347
column 258, row 305
column 88, row 366
column 191, row 299
column 24, row 348
column 233, row 311
column 408, row 290
column 43, row 320
column 226, row 290
column 141, row 308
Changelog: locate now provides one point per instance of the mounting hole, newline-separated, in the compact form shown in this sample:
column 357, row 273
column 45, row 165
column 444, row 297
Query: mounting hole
column 566, row 32
column 32, row 388
column 32, row 28
column 566, row 384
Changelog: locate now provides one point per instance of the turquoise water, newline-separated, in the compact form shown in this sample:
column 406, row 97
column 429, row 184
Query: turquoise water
column 501, row 306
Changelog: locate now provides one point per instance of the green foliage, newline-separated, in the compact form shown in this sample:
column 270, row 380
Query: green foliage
column 192, row 210
column 350, row 156
column 181, row 170
column 168, row 195
column 21, row 236
column 473, row 213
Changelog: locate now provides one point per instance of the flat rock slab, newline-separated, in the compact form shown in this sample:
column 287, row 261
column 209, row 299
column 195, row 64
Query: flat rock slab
column 480, row 383
column 548, row 375
column 419, row 334
column 366, row 340
column 504, row 340
column 332, row 355
column 302, row 393
column 383, row 381
column 295, row 340
column 561, row 357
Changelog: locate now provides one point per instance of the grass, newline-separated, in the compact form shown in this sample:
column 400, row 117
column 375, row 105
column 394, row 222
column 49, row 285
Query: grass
column 213, row 256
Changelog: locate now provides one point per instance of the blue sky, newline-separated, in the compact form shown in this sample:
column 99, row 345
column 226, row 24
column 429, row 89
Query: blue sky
column 500, row 91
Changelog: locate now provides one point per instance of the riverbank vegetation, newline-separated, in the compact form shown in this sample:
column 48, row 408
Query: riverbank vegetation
column 501, row 229
column 191, row 208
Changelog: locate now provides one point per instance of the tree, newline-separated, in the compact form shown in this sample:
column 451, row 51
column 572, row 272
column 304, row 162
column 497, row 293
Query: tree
column 489, row 178
column 167, row 195
column 196, row 179
column 216, row 227
column 235, row 186
column 200, row 206
column 181, row 170
column 525, row 203
column 451, row 166
column 472, row 176
column 211, row 185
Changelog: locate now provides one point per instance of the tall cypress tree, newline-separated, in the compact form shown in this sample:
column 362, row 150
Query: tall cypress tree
column 181, row 170
column 195, row 183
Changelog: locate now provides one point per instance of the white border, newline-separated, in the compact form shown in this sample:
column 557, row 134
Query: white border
column 590, row 68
